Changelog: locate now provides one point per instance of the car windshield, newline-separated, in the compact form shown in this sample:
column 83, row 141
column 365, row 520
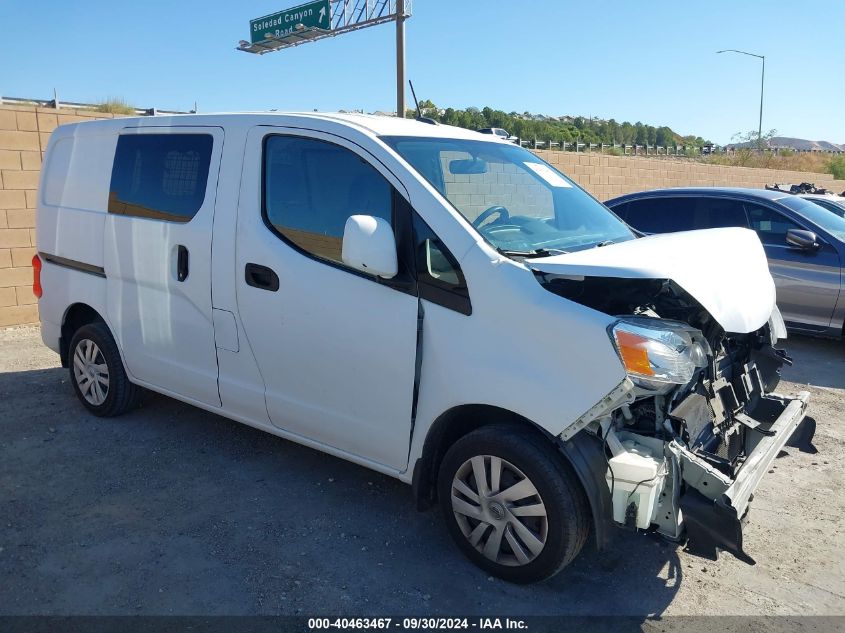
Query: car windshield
column 818, row 215
column 517, row 202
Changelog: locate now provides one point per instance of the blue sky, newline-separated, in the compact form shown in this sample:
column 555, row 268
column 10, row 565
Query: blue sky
column 650, row 60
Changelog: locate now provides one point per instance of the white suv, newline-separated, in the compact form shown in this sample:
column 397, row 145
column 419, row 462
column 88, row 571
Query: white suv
column 427, row 302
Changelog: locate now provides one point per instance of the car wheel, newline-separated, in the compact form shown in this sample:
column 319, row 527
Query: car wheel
column 512, row 503
column 97, row 373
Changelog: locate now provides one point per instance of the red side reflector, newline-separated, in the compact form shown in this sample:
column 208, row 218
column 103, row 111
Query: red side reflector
column 36, row 276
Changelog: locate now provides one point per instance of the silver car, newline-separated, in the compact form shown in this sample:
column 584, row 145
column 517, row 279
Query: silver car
column 835, row 204
column 804, row 242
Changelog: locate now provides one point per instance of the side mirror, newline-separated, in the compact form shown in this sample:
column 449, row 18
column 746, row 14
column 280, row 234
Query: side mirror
column 805, row 240
column 369, row 246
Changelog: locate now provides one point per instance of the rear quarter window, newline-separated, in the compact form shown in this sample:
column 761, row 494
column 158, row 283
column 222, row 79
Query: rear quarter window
column 660, row 215
column 718, row 213
column 76, row 172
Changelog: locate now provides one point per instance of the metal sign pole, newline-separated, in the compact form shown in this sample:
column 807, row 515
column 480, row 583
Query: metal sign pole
column 318, row 19
column 400, row 58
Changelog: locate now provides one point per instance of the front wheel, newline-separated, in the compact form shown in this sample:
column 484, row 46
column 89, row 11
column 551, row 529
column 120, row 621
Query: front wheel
column 512, row 504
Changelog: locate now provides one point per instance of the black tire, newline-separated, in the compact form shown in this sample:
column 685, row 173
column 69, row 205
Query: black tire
column 120, row 394
column 566, row 508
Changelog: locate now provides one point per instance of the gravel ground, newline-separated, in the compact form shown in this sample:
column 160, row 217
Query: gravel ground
column 172, row 510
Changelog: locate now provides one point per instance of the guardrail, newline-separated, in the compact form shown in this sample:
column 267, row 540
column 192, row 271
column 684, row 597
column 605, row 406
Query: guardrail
column 655, row 150
column 622, row 148
column 93, row 107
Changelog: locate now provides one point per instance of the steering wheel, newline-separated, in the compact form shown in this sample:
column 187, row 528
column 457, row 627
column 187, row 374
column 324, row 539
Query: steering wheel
column 502, row 211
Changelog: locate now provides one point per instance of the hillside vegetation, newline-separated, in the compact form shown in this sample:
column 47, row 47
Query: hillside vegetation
column 590, row 130
column 558, row 129
column 795, row 161
column 745, row 155
column 116, row 105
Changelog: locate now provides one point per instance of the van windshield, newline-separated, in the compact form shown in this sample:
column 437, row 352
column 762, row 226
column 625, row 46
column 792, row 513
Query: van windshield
column 519, row 203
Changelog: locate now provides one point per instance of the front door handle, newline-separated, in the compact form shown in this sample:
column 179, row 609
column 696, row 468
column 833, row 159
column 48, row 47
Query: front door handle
column 181, row 263
column 259, row 276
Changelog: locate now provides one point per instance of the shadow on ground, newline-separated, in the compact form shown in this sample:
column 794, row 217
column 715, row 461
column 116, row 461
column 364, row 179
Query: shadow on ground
column 171, row 510
column 817, row 361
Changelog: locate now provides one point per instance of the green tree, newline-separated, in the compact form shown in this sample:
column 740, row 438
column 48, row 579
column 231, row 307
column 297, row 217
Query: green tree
column 754, row 140
column 583, row 129
column 640, row 138
column 836, row 166
column 665, row 136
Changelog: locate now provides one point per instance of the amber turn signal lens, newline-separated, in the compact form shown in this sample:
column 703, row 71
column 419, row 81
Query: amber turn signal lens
column 632, row 349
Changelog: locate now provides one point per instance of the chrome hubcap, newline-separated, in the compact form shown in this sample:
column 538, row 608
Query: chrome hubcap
column 91, row 372
column 499, row 510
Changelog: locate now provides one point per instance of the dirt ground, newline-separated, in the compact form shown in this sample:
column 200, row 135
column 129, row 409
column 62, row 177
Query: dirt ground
column 172, row 510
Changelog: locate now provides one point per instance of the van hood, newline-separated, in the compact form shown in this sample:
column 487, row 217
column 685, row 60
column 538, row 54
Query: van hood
column 725, row 270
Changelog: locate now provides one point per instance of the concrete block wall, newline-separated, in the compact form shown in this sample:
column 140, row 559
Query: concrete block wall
column 25, row 130
column 609, row 176
column 505, row 185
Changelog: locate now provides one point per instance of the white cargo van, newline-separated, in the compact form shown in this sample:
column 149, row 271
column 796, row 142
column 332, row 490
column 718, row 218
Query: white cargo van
column 430, row 303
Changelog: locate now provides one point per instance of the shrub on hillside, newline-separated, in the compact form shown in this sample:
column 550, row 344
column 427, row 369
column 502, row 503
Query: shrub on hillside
column 836, row 166
column 116, row 106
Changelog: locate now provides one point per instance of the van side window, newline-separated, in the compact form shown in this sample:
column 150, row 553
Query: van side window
column 770, row 225
column 439, row 276
column 160, row 176
column 661, row 215
column 311, row 187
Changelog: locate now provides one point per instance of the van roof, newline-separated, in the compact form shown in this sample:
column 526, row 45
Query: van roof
column 376, row 125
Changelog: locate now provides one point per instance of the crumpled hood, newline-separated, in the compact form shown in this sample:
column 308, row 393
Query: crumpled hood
column 724, row 269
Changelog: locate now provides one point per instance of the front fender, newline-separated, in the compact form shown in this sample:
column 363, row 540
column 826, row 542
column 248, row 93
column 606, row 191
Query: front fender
column 585, row 454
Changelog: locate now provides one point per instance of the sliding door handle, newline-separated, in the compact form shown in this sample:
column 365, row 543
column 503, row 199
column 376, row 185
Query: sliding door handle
column 182, row 263
column 259, row 276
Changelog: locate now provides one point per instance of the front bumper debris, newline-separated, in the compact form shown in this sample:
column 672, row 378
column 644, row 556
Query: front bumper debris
column 714, row 506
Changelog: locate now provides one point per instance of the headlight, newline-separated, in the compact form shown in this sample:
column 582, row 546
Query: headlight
column 777, row 328
column 659, row 351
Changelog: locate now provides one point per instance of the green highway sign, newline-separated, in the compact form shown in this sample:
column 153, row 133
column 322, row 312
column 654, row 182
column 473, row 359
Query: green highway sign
column 313, row 14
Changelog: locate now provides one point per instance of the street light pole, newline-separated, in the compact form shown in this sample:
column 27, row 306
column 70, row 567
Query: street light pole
column 400, row 58
column 762, row 84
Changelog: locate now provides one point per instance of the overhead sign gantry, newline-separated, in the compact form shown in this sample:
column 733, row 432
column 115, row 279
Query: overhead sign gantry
column 326, row 18
column 306, row 18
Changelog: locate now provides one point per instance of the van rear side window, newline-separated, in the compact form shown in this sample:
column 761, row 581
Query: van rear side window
column 160, row 176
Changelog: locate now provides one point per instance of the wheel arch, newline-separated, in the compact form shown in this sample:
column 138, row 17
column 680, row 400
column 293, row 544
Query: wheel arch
column 76, row 315
column 582, row 452
column 448, row 428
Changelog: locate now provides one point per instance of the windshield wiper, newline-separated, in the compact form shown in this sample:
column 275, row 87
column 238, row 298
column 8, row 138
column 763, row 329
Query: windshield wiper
column 537, row 252
column 605, row 243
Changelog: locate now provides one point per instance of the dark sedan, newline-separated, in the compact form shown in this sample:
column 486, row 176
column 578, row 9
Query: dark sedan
column 805, row 243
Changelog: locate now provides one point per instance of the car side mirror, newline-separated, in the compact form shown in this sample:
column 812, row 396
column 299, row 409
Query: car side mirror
column 805, row 240
column 369, row 246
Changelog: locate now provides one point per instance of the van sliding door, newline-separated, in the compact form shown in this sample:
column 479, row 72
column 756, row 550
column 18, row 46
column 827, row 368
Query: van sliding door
column 158, row 256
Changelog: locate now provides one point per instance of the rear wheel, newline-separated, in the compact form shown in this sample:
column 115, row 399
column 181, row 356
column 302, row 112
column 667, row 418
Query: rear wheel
column 97, row 373
column 512, row 504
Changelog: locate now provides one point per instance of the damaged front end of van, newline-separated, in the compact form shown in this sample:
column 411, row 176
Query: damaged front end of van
column 696, row 423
